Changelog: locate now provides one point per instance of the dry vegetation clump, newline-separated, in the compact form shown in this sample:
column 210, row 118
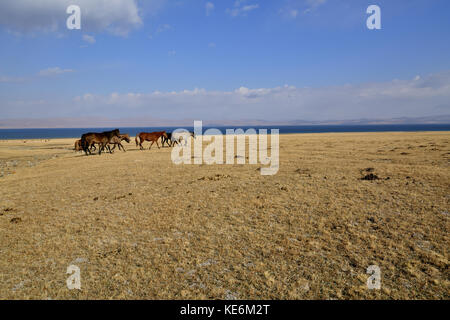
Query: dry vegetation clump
column 140, row 227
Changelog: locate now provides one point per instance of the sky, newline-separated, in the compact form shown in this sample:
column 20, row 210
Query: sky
column 224, row 60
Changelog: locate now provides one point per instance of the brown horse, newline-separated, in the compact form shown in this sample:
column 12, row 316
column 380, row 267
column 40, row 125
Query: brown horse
column 78, row 146
column 88, row 139
column 116, row 141
column 149, row 136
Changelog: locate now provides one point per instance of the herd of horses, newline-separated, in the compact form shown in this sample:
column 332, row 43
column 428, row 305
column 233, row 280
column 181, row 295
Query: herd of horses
column 89, row 141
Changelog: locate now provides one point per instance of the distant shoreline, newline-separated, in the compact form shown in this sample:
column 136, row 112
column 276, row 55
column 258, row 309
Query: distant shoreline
column 73, row 133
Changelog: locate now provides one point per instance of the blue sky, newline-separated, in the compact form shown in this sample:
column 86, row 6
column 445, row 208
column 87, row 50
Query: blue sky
column 283, row 60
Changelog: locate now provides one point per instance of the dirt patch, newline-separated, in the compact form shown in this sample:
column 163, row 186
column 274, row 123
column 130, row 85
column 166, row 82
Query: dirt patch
column 15, row 220
column 370, row 177
column 303, row 172
column 216, row 177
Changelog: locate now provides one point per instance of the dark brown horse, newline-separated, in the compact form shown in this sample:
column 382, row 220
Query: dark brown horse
column 88, row 139
column 149, row 136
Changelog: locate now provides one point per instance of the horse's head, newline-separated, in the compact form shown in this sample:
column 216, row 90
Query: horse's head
column 126, row 138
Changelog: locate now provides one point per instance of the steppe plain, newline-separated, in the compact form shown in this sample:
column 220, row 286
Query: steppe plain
column 140, row 227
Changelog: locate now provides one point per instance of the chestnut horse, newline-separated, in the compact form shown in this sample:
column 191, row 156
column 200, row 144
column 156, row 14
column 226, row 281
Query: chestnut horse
column 149, row 136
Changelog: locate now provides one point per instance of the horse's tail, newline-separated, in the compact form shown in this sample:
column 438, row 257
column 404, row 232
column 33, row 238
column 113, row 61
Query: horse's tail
column 136, row 139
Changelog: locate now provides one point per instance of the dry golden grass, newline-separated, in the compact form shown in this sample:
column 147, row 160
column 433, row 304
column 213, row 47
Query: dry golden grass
column 140, row 227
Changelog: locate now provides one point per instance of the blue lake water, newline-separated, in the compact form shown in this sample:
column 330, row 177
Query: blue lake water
column 8, row 134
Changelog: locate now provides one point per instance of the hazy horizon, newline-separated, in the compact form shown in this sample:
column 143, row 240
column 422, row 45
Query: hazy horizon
column 68, row 123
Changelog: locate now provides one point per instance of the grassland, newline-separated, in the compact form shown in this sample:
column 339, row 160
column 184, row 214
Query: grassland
column 140, row 227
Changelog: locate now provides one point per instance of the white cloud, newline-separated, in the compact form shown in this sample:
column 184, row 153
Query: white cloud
column 89, row 39
column 5, row 79
column 292, row 9
column 209, row 7
column 241, row 8
column 315, row 3
column 163, row 27
column 293, row 13
column 417, row 97
column 118, row 17
column 53, row 71
column 42, row 73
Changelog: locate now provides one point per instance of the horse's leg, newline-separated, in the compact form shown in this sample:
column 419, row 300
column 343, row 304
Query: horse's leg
column 157, row 143
column 120, row 145
column 153, row 141
column 88, row 147
column 84, row 146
